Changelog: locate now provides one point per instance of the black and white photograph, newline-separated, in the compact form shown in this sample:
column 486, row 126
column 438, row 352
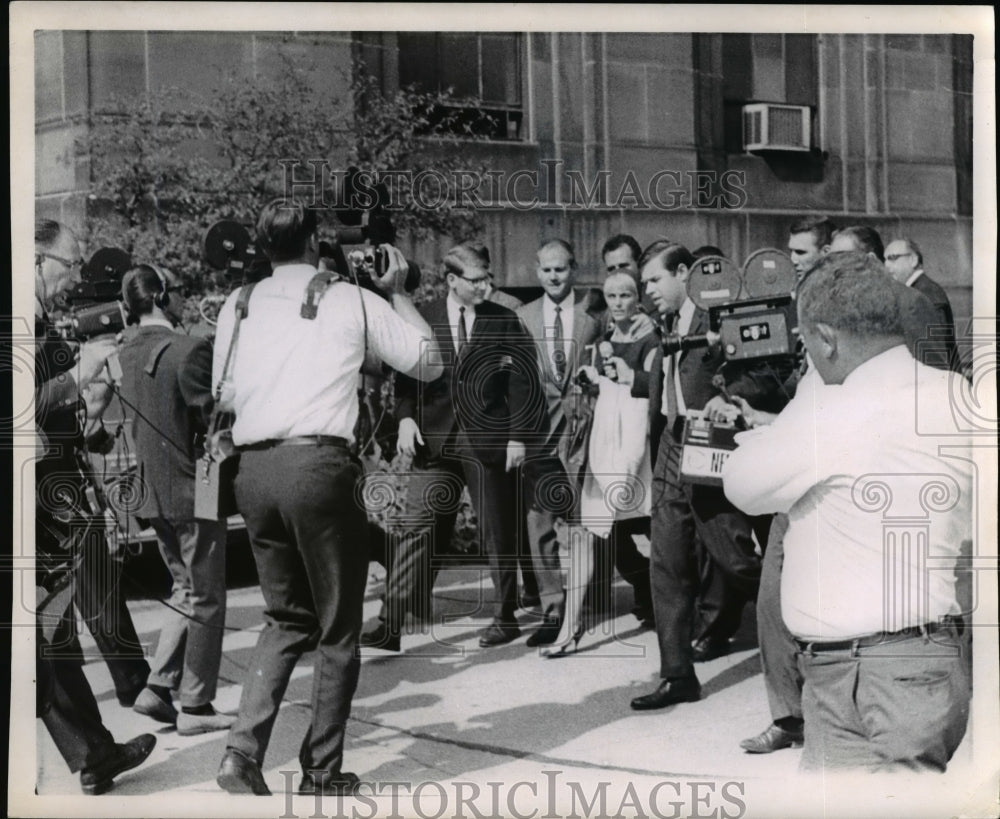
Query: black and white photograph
column 514, row 410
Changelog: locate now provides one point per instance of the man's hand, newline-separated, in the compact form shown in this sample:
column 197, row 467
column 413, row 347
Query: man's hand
column 719, row 409
column 92, row 357
column 754, row 418
column 588, row 372
column 96, row 396
column 409, row 438
column 515, row 454
column 642, row 325
column 626, row 375
column 392, row 281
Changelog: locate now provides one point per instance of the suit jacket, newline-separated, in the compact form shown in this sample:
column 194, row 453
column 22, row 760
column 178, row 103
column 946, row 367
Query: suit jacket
column 558, row 401
column 167, row 380
column 945, row 350
column 487, row 396
column 760, row 383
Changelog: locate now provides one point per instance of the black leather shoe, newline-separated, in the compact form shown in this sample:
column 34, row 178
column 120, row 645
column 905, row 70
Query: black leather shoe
column 670, row 692
column 345, row 784
column 381, row 637
column 240, row 774
column 546, row 634
column 709, row 649
column 99, row 777
column 498, row 633
column 530, row 601
column 773, row 739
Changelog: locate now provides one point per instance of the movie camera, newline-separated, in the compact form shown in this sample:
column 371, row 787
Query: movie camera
column 93, row 306
column 751, row 310
column 752, row 314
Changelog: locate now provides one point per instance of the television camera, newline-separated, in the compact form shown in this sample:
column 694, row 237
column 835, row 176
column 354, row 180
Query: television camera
column 228, row 247
column 93, row 306
column 751, row 311
column 752, row 317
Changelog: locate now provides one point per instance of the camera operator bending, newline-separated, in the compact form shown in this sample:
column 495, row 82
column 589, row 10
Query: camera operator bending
column 682, row 381
column 293, row 389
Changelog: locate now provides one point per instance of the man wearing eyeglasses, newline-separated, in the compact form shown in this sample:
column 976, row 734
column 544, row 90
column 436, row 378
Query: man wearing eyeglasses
column 468, row 428
column 905, row 263
column 73, row 565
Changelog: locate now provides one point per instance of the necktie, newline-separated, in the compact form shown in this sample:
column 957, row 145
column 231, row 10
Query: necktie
column 463, row 335
column 558, row 350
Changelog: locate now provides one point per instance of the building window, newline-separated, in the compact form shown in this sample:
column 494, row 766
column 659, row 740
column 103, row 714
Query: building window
column 484, row 67
column 766, row 68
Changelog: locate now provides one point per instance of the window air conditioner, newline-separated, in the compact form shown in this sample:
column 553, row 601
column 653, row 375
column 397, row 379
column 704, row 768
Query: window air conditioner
column 774, row 127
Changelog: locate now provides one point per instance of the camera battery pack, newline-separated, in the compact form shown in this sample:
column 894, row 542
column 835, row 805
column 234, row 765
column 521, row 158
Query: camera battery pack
column 705, row 448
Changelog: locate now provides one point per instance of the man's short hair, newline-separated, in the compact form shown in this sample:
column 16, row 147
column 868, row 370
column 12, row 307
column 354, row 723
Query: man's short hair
column 821, row 228
column 852, row 292
column 707, row 250
column 284, row 228
column 673, row 254
column 480, row 250
column 915, row 250
column 47, row 233
column 564, row 245
column 866, row 238
column 622, row 240
column 460, row 257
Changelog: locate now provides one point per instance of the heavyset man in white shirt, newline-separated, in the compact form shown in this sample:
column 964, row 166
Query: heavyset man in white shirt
column 877, row 482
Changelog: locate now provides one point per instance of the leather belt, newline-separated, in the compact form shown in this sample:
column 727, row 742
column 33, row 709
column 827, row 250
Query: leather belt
column 881, row 637
column 298, row 440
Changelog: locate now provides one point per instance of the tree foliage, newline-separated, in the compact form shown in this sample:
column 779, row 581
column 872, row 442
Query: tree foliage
column 167, row 166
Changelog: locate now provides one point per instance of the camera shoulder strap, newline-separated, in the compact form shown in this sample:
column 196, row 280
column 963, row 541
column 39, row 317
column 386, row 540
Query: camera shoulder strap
column 315, row 291
column 242, row 310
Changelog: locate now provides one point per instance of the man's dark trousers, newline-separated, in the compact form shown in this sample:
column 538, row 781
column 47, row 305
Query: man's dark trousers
column 66, row 702
column 433, row 497
column 307, row 532
column 682, row 513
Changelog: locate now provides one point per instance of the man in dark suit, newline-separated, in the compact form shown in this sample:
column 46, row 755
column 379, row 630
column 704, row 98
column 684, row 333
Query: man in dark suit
column 167, row 382
column 562, row 327
column 905, row 263
column 468, row 428
column 72, row 559
column 682, row 511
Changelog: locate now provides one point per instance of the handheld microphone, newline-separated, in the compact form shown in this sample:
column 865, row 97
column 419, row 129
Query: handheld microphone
column 607, row 351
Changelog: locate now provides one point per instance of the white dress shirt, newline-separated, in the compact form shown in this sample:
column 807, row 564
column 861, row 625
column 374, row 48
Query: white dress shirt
column 876, row 513
column 292, row 376
column 671, row 364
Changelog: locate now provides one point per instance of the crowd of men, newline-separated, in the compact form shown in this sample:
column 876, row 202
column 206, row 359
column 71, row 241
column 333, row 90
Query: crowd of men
column 487, row 400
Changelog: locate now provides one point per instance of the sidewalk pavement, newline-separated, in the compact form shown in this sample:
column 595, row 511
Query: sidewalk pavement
column 446, row 728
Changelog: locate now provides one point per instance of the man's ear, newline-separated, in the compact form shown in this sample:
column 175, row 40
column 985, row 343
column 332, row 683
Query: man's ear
column 829, row 340
column 682, row 272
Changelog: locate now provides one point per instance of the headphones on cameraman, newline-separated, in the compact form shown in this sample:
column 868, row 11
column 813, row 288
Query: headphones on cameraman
column 160, row 298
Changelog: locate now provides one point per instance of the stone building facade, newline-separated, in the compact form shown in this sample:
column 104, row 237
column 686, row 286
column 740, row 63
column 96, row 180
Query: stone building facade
column 655, row 118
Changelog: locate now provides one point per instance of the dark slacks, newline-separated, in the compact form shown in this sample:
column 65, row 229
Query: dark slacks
column 682, row 513
column 307, row 531
column 423, row 532
column 189, row 648
column 65, row 701
column 782, row 676
column 897, row 706
column 98, row 596
column 546, row 495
